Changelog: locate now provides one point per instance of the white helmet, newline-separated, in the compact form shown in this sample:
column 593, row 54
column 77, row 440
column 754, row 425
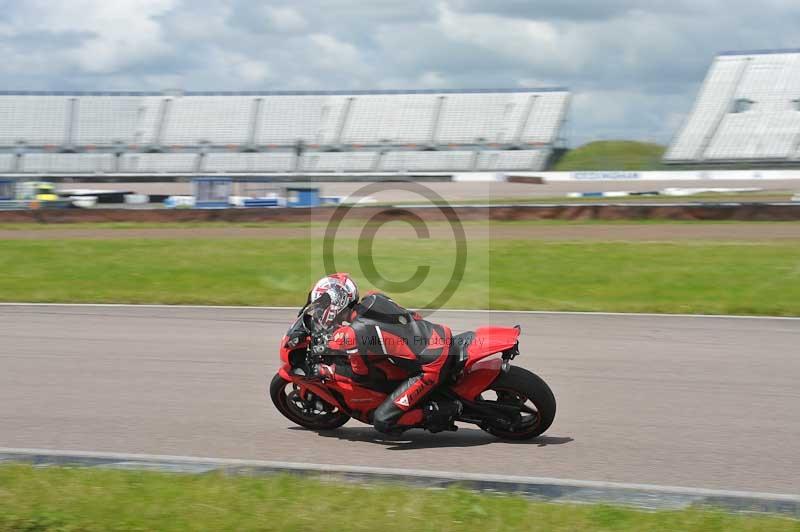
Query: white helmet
column 332, row 295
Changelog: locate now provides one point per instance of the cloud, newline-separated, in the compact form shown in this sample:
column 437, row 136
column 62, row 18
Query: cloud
column 114, row 34
column 634, row 66
column 333, row 53
column 286, row 19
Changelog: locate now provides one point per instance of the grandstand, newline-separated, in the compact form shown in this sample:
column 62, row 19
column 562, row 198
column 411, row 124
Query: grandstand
column 279, row 132
column 748, row 110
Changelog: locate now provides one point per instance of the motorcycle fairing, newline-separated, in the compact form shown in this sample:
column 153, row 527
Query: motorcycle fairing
column 477, row 378
column 490, row 340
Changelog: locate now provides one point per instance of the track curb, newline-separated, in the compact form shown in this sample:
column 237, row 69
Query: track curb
column 644, row 496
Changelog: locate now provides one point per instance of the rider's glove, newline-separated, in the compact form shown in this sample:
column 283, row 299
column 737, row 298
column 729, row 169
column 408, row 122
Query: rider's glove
column 323, row 372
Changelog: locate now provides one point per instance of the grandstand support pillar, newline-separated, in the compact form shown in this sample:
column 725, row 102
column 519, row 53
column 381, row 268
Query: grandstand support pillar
column 119, row 149
column 473, row 164
column 795, row 151
column 72, row 123
column 376, row 163
column 562, row 120
column 199, row 162
column 435, row 120
column 161, row 122
column 337, row 139
column 299, row 149
column 524, row 119
column 255, row 122
column 19, row 151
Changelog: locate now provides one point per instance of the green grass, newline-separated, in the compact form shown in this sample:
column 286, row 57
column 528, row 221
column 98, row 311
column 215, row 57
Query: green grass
column 613, row 155
column 104, row 500
column 682, row 277
column 26, row 226
column 18, row 226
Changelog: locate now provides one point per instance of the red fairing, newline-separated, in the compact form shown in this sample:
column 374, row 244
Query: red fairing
column 491, row 340
column 358, row 398
column 318, row 389
column 477, row 378
column 284, row 353
column 284, row 350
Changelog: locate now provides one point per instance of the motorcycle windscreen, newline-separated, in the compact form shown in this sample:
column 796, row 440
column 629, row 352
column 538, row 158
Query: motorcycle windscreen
column 314, row 313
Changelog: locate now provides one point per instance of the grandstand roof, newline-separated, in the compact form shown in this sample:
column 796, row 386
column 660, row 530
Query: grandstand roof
column 761, row 52
column 281, row 92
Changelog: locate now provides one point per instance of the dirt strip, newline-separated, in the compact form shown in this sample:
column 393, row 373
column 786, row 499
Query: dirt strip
column 500, row 231
column 686, row 212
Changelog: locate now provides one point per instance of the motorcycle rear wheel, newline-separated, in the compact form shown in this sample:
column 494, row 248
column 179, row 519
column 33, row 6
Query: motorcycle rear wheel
column 315, row 414
column 519, row 387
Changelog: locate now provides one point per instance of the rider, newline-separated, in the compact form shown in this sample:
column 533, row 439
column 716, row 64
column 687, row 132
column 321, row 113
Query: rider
column 381, row 339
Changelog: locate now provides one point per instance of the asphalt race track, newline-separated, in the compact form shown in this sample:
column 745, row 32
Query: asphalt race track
column 697, row 402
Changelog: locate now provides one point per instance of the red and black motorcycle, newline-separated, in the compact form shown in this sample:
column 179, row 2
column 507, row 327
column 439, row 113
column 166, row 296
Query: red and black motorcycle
column 504, row 400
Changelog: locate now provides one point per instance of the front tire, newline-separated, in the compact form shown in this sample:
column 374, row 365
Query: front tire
column 518, row 386
column 314, row 413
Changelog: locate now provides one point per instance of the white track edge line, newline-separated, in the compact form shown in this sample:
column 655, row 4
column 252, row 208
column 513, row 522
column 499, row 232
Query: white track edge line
column 444, row 475
column 456, row 310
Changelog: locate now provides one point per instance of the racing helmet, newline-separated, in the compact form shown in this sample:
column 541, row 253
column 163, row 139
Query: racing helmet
column 330, row 298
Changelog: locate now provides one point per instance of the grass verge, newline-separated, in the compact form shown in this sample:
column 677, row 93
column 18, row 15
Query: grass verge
column 613, row 155
column 674, row 277
column 44, row 226
column 96, row 499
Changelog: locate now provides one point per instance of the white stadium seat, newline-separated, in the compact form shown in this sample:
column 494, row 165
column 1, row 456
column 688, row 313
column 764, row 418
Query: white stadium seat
column 427, row 161
column 111, row 120
column 68, row 163
column 397, row 118
column 158, row 163
column 7, row 162
column 512, row 160
column 287, row 119
column 34, row 119
column 211, row 119
column 362, row 161
column 249, row 162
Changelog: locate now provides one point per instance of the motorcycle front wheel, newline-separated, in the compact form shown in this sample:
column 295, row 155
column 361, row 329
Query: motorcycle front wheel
column 312, row 412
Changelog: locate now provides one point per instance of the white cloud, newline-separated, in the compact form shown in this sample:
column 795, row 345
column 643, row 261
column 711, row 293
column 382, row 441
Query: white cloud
column 433, row 80
column 286, row 19
column 333, row 53
column 528, row 40
column 116, row 33
column 252, row 71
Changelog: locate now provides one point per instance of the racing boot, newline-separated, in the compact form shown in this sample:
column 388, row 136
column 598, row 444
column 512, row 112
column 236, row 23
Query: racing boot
column 441, row 415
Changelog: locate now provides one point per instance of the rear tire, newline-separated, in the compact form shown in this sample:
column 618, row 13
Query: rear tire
column 527, row 387
column 290, row 405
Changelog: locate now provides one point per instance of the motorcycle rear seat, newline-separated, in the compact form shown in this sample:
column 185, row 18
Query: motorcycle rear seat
column 458, row 349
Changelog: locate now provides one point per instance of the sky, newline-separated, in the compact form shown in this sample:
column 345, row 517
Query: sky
column 634, row 67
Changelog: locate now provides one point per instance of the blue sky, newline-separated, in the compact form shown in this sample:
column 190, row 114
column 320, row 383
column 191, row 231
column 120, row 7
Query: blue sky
column 634, row 67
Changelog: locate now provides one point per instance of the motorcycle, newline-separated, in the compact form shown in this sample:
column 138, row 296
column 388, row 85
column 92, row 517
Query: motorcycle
column 506, row 401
